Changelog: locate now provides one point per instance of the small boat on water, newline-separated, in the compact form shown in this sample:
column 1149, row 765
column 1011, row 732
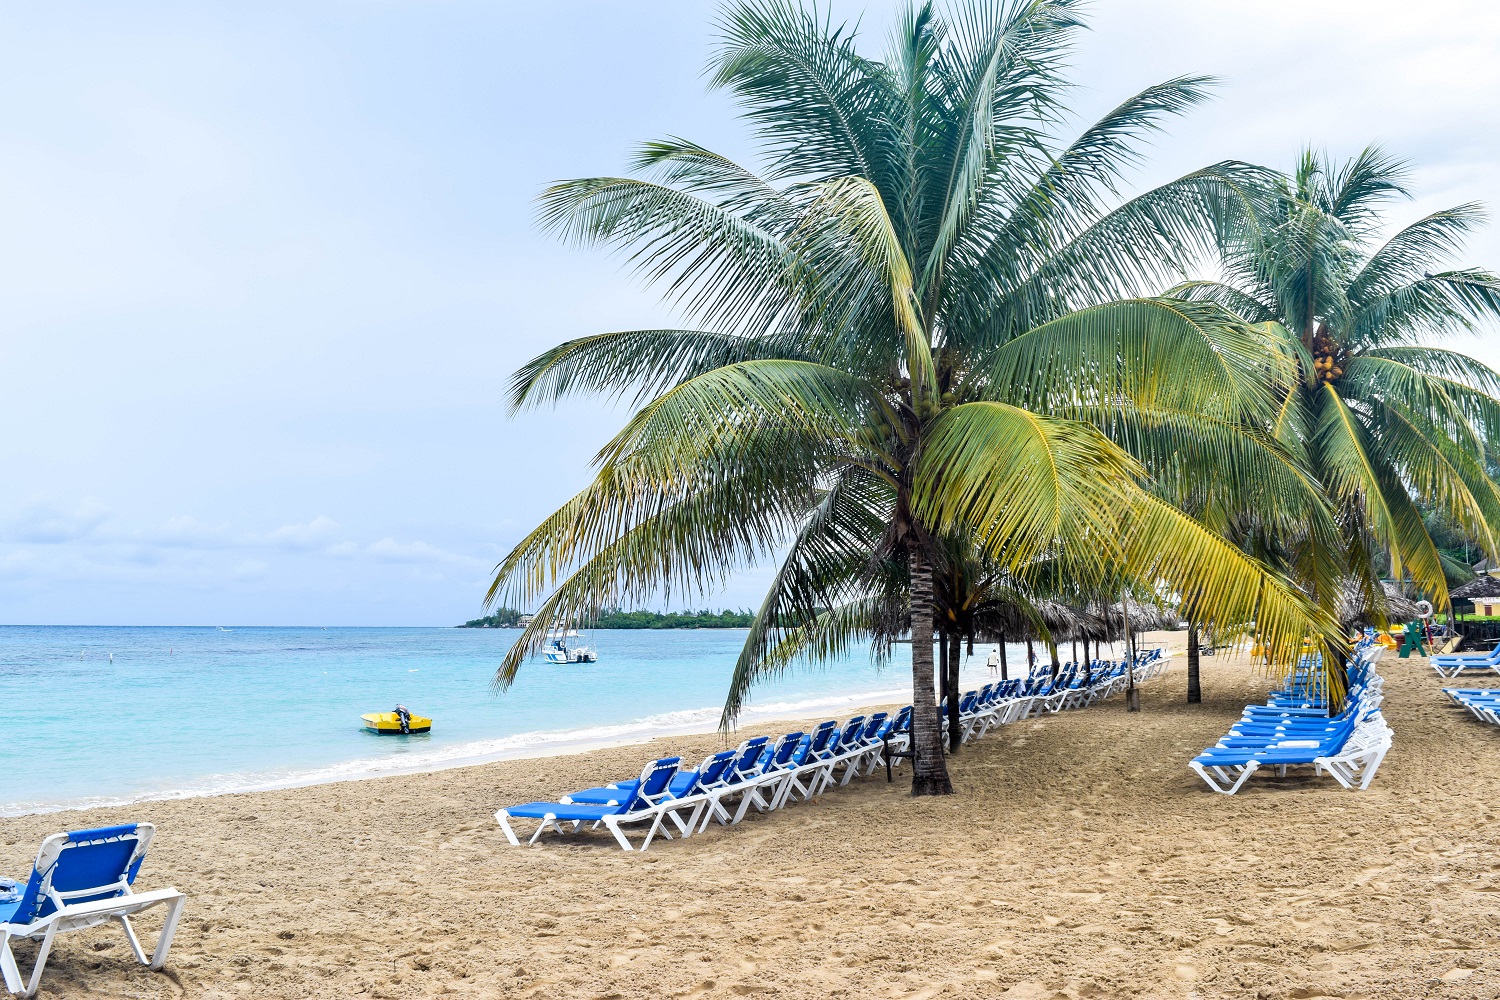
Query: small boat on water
column 398, row 723
column 555, row 648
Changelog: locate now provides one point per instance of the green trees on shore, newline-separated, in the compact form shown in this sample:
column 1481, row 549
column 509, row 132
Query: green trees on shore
column 927, row 371
column 619, row 618
column 498, row 618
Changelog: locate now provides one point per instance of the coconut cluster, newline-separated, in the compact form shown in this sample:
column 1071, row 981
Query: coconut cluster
column 1328, row 357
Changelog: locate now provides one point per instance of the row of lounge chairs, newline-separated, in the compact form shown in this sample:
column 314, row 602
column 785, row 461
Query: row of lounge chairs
column 1450, row 665
column 1483, row 704
column 1040, row 693
column 85, row 878
column 1294, row 727
column 766, row 775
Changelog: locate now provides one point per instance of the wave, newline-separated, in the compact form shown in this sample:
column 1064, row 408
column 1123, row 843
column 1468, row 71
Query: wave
column 542, row 743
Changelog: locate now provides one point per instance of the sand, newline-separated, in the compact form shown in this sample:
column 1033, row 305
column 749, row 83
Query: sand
column 1080, row 858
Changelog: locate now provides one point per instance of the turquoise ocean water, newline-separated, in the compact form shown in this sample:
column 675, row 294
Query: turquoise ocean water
column 113, row 715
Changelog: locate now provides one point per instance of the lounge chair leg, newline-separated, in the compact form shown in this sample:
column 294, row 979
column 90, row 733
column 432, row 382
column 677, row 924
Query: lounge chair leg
column 9, row 971
column 692, row 823
column 614, row 828
column 41, row 961
column 504, row 822
column 714, row 811
column 1234, row 784
column 751, row 794
column 168, row 929
column 135, row 942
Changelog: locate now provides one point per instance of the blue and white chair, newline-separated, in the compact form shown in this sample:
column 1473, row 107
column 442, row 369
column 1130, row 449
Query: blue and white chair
column 1453, row 664
column 82, row 879
column 647, row 802
column 746, row 768
column 1295, row 728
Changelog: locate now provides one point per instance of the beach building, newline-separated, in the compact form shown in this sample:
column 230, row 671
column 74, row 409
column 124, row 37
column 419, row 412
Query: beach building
column 1483, row 592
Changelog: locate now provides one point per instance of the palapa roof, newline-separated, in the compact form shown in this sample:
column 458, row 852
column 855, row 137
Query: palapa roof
column 1356, row 611
column 1484, row 586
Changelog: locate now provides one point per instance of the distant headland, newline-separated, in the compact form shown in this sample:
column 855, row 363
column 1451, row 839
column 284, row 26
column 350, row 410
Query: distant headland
column 618, row 618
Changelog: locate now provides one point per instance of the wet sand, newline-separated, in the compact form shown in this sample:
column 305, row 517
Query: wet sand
column 1080, row 858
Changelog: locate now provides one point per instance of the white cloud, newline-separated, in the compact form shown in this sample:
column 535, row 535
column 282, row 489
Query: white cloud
column 48, row 523
column 184, row 531
column 303, row 536
column 390, row 550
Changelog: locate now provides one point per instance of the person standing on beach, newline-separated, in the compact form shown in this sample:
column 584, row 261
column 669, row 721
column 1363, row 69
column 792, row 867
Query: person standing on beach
column 995, row 661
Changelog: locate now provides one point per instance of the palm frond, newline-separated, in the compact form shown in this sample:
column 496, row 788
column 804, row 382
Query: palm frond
column 1167, row 354
column 647, row 361
column 1355, row 474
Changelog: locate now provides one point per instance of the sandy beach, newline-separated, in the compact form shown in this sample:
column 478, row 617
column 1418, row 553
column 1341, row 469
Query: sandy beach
column 1081, row 858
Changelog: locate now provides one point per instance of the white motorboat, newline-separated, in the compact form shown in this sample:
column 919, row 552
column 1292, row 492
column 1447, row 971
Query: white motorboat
column 555, row 648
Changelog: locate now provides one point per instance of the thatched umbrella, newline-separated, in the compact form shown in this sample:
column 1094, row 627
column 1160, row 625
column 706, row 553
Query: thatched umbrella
column 1358, row 608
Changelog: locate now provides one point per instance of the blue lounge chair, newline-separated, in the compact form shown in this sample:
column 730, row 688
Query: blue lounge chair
column 746, row 767
column 645, row 803
column 1453, row 664
column 1294, row 728
column 850, row 752
column 688, row 791
column 82, row 879
column 806, row 778
column 683, row 783
column 777, row 765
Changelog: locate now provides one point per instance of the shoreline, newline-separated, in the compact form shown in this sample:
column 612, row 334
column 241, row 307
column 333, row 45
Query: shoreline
column 1079, row 858
column 532, row 745
column 537, row 745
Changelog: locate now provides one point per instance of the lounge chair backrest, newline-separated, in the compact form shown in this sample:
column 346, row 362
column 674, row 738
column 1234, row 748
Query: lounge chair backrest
column 654, row 781
column 785, row 747
column 710, row 772
column 746, row 757
column 903, row 720
column 799, row 752
column 821, row 736
column 872, row 728
column 70, row 865
column 852, row 729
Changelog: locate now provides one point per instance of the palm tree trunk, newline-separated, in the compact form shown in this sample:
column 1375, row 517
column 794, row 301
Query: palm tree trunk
column 929, row 772
column 1004, row 673
column 1132, row 695
column 955, row 727
column 1052, row 652
column 1195, row 691
column 944, row 694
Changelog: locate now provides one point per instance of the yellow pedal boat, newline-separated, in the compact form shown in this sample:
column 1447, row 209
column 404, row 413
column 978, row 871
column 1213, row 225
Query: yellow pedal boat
column 389, row 724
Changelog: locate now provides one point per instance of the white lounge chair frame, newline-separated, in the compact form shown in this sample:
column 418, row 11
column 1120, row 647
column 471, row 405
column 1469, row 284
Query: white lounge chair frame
column 69, row 917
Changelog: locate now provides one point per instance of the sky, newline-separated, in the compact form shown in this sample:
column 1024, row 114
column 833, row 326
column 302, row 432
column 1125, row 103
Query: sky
column 265, row 269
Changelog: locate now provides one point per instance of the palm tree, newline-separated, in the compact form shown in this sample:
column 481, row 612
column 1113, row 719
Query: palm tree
column 905, row 328
column 1392, row 427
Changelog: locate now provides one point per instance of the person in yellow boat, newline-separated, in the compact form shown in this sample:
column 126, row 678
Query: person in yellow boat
column 403, row 717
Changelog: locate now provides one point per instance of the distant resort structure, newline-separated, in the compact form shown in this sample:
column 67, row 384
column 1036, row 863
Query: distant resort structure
column 616, row 618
